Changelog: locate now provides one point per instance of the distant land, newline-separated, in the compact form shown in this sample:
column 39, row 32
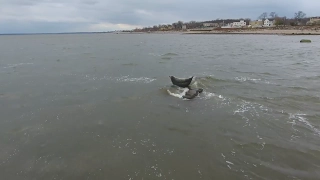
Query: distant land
column 57, row 33
column 266, row 21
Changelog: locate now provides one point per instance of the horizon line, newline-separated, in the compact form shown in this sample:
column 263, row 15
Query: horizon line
column 90, row 32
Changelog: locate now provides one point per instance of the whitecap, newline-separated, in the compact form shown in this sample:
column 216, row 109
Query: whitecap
column 208, row 95
column 243, row 79
column 299, row 117
column 229, row 162
column 139, row 79
column 15, row 65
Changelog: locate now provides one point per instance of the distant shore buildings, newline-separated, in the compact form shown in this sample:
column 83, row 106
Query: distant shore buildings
column 268, row 23
column 255, row 24
column 232, row 23
column 241, row 23
column 237, row 24
column 314, row 21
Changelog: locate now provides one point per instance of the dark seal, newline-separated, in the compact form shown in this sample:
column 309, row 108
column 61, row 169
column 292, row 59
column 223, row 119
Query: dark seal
column 192, row 93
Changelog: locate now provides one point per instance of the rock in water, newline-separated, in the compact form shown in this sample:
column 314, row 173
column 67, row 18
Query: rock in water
column 305, row 41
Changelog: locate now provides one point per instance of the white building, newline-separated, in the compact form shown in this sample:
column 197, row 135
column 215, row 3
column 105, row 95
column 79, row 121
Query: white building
column 242, row 23
column 210, row 24
column 184, row 27
column 267, row 23
column 314, row 21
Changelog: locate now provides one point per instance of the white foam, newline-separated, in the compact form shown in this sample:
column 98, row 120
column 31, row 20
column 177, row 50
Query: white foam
column 223, row 155
column 15, row 65
column 139, row 79
column 304, row 120
column 243, row 79
column 122, row 79
column 179, row 94
column 229, row 162
column 208, row 95
column 154, row 54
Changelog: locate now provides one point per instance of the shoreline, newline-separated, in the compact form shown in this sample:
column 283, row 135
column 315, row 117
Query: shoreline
column 286, row 32
column 259, row 32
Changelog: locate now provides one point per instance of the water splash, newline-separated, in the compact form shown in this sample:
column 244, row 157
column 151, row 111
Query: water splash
column 180, row 93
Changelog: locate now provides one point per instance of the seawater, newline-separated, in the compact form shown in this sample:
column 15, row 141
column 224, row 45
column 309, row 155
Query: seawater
column 97, row 106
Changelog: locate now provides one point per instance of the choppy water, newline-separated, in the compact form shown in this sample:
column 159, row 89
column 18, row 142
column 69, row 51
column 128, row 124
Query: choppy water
column 97, row 107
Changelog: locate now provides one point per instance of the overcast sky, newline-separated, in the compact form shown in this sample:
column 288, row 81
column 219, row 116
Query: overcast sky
column 47, row 16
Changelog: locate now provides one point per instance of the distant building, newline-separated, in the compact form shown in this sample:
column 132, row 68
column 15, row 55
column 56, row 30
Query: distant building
column 314, row 21
column 268, row 23
column 242, row 23
column 184, row 27
column 257, row 23
column 210, row 24
column 239, row 24
column 229, row 25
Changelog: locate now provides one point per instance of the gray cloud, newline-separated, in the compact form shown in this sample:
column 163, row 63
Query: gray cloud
column 103, row 15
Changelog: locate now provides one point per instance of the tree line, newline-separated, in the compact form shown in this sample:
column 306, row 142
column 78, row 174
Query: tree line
column 298, row 18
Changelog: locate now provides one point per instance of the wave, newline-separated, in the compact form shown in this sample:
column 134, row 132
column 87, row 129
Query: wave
column 15, row 65
column 122, row 79
column 253, row 80
column 298, row 117
column 170, row 54
column 154, row 54
column 130, row 64
column 298, row 98
column 166, row 58
column 208, row 80
column 298, row 88
column 243, row 79
column 316, row 77
column 129, row 79
column 163, row 55
column 266, row 73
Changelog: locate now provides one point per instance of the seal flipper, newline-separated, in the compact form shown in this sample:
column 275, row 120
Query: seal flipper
column 181, row 82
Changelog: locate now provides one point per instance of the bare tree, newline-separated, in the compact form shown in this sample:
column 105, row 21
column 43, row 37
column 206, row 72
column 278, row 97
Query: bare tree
column 273, row 15
column 284, row 20
column 299, row 15
column 174, row 25
column 180, row 23
column 263, row 15
column 155, row 28
column 279, row 21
